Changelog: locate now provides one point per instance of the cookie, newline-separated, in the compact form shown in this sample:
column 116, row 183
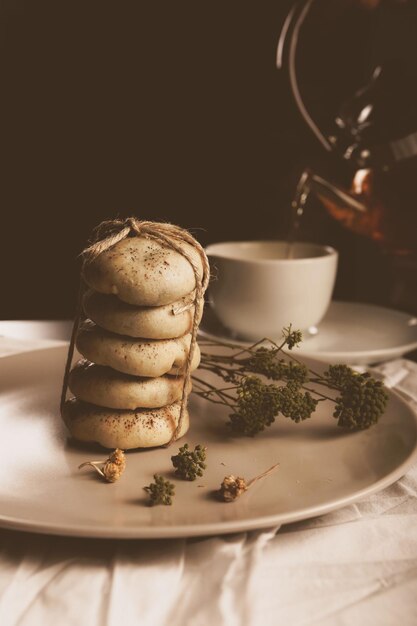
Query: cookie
column 143, row 272
column 159, row 322
column 105, row 387
column 124, row 429
column 139, row 357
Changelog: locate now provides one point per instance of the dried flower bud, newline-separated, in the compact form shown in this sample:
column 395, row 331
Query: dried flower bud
column 161, row 491
column 118, row 457
column 292, row 337
column 232, row 487
column 111, row 471
column 189, row 463
column 112, row 468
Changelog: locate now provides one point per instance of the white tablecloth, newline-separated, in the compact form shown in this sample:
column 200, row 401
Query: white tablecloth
column 355, row 566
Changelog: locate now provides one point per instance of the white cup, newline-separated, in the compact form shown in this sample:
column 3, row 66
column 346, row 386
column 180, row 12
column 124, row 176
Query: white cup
column 256, row 290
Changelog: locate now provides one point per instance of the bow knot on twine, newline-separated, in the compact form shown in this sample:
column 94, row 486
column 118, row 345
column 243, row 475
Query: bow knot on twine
column 111, row 232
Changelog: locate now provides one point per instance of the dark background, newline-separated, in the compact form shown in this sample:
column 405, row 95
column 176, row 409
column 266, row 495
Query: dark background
column 169, row 111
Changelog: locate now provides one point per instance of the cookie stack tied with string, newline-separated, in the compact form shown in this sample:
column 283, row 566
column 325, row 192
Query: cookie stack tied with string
column 141, row 300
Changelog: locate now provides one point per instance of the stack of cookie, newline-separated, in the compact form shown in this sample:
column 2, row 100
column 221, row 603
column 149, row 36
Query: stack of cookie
column 135, row 343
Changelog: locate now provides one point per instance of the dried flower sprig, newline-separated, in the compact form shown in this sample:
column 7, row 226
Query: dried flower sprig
column 234, row 486
column 255, row 404
column 111, row 469
column 161, row 491
column 189, row 463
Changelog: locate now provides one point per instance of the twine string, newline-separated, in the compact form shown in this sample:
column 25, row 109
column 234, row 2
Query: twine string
column 74, row 332
column 111, row 232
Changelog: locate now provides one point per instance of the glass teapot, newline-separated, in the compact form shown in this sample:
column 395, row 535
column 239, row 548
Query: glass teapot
column 369, row 180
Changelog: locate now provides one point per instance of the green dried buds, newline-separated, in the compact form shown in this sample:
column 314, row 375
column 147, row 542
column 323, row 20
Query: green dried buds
column 161, row 491
column 189, row 463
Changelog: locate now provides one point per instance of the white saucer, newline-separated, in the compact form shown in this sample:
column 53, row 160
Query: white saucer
column 351, row 333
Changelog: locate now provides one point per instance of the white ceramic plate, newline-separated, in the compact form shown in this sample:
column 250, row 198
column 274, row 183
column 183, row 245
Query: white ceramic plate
column 321, row 467
column 350, row 333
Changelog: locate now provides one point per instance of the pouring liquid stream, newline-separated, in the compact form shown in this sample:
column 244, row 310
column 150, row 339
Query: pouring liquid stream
column 340, row 203
column 298, row 203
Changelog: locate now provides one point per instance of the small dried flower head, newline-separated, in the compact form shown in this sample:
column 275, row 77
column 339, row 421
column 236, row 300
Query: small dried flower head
column 361, row 403
column 266, row 362
column 118, row 457
column 111, row 472
column 292, row 337
column 232, row 487
column 189, row 463
column 160, row 491
column 256, row 406
column 112, row 468
column 339, row 376
column 362, row 399
column 296, row 404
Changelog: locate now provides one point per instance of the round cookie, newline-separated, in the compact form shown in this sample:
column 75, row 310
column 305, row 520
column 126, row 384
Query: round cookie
column 139, row 357
column 124, row 429
column 148, row 322
column 105, row 387
column 144, row 272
